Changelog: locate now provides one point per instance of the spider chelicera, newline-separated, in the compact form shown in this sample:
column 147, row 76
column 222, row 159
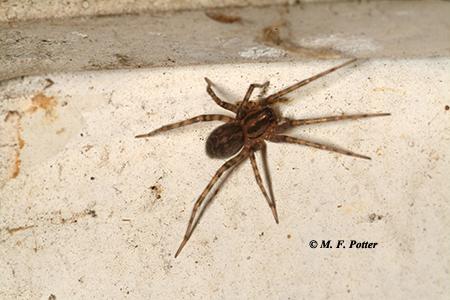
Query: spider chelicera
column 246, row 133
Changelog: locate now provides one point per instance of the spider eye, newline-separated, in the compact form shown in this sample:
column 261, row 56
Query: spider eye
column 225, row 141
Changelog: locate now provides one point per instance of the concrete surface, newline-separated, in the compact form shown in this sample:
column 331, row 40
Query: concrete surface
column 90, row 212
column 399, row 29
column 19, row 10
column 87, row 211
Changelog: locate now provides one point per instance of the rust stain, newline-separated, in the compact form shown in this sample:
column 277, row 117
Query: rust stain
column 46, row 103
column 21, row 141
column 17, row 164
column 61, row 130
column 17, row 159
column 14, row 116
column 39, row 101
column 18, row 229
column 222, row 18
column 279, row 35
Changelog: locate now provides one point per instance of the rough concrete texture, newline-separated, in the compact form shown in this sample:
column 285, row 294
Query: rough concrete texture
column 20, row 10
column 402, row 29
column 90, row 212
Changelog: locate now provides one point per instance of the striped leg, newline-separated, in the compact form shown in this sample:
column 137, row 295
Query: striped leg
column 249, row 93
column 252, row 87
column 287, row 123
column 227, row 165
column 266, row 170
column 270, row 201
column 213, row 194
column 292, row 140
column 266, row 101
column 226, row 105
column 305, row 82
column 201, row 118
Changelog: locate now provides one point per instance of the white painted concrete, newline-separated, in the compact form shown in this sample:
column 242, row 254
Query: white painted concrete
column 91, row 212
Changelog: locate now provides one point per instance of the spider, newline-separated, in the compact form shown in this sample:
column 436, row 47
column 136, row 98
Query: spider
column 240, row 137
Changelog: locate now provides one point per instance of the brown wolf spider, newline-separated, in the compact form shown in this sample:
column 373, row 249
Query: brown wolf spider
column 246, row 133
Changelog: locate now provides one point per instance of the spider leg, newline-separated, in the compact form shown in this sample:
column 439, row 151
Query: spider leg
column 291, row 88
column 287, row 123
column 266, row 169
column 213, row 194
column 263, row 91
column 249, row 93
column 293, row 140
column 265, row 102
column 223, row 104
column 200, row 118
column 227, row 165
column 252, row 87
column 270, row 201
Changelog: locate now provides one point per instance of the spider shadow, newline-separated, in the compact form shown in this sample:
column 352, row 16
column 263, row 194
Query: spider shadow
column 266, row 169
column 224, row 179
column 213, row 195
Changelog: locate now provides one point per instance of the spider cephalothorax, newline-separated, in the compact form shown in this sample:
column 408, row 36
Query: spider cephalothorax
column 255, row 122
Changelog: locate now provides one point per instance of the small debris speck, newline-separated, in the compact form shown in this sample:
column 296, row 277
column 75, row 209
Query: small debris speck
column 373, row 217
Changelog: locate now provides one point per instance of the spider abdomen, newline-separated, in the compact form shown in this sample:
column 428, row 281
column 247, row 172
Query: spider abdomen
column 225, row 140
